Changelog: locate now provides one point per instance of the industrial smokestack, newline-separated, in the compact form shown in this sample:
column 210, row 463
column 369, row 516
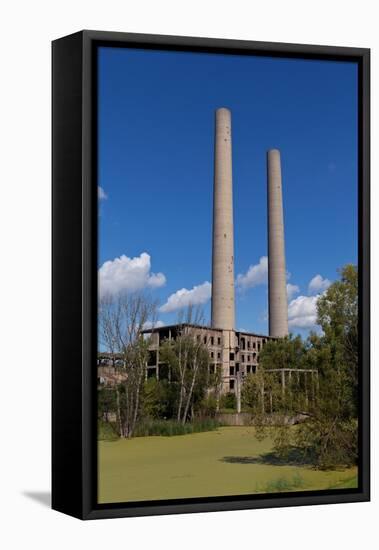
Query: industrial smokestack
column 277, row 291
column 223, row 240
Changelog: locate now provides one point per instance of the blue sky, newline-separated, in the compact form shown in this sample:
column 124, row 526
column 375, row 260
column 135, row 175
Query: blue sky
column 156, row 128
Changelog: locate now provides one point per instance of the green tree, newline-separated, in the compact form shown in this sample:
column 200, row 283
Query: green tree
column 329, row 437
column 337, row 313
column 158, row 399
column 331, row 434
column 228, row 401
column 282, row 353
column 122, row 319
column 106, row 402
column 188, row 361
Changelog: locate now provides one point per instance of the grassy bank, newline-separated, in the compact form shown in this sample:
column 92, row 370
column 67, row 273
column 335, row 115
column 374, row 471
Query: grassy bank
column 107, row 431
column 226, row 461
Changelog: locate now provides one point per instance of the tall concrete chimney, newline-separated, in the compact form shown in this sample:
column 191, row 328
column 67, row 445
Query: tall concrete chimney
column 223, row 240
column 277, row 291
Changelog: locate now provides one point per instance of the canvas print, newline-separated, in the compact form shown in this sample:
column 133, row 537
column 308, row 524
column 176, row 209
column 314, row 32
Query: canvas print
column 227, row 275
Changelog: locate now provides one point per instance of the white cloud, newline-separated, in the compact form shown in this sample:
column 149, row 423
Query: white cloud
column 199, row 294
column 101, row 194
column 292, row 290
column 255, row 275
column 128, row 274
column 150, row 324
column 318, row 284
column 302, row 312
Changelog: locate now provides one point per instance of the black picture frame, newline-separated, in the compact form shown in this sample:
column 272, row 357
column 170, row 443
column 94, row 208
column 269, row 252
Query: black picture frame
column 74, row 271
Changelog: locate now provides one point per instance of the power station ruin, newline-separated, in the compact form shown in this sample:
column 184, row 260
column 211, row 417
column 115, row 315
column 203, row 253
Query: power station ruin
column 277, row 290
column 223, row 309
column 234, row 352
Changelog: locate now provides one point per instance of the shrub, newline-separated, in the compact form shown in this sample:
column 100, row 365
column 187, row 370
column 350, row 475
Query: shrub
column 158, row 398
column 171, row 427
column 228, row 401
column 106, row 431
column 329, row 442
column 208, row 406
column 106, row 401
column 283, row 484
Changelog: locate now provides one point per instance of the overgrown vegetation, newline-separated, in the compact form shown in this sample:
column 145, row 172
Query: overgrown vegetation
column 107, row 431
column 283, row 484
column 184, row 401
column 320, row 382
column 329, row 436
column 121, row 322
column 228, row 402
column 172, row 427
column 187, row 358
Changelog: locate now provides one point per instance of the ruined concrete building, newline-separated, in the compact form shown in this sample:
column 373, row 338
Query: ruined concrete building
column 235, row 353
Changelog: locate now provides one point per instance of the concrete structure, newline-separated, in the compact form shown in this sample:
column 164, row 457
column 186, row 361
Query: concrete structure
column 277, row 290
column 235, row 353
column 233, row 363
column 223, row 239
column 110, row 369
